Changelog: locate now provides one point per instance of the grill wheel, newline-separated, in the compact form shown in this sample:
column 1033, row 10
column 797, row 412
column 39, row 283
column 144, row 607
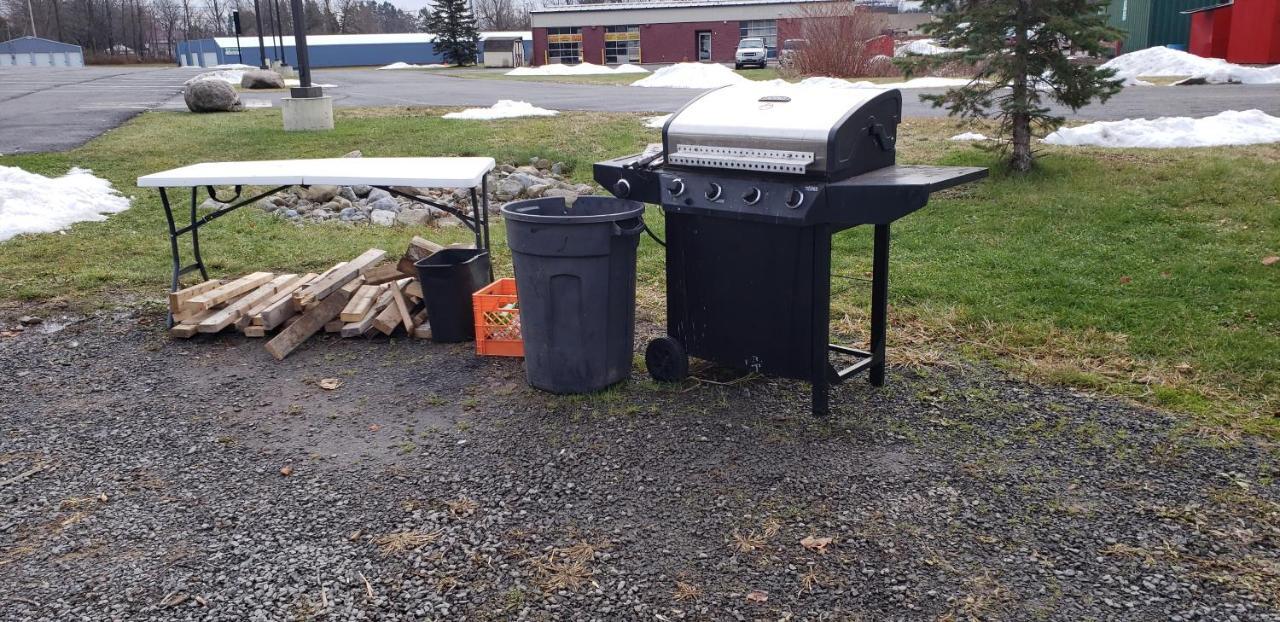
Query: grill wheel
column 666, row 360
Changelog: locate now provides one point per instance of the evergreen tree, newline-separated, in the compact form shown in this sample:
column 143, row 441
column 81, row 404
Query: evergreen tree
column 455, row 30
column 1021, row 51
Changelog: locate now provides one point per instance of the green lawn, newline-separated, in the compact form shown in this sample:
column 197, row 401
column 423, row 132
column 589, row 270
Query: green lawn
column 1133, row 272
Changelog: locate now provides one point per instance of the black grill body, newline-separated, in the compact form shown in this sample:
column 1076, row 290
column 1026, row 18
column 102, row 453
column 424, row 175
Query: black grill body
column 748, row 255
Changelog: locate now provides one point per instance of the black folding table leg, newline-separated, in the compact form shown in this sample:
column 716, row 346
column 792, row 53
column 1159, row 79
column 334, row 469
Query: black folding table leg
column 195, row 235
column 173, row 241
column 879, row 303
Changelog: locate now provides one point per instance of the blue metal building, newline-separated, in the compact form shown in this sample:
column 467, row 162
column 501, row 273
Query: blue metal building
column 327, row 50
column 37, row 52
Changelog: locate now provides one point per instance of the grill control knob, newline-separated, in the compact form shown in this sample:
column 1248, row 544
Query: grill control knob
column 714, row 191
column 622, row 189
column 794, row 199
column 676, row 187
column 751, row 196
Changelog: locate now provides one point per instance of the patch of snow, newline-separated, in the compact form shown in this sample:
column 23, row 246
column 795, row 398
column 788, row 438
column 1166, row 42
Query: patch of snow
column 31, row 203
column 970, row 136
column 656, row 122
column 230, row 76
column 1161, row 61
column 692, row 76
column 256, row 103
column 504, row 109
column 297, row 82
column 924, row 47
column 580, row 69
column 837, row 83
column 1232, row 127
column 404, row 65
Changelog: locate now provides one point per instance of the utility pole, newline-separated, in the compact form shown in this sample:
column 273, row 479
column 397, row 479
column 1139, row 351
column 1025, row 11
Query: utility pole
column 284, row 60
column 32, row 14
column 262, row 47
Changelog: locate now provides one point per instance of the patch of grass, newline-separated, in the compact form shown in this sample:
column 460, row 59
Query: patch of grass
column 405, row 541
column 1132, row 272
column 624, row 79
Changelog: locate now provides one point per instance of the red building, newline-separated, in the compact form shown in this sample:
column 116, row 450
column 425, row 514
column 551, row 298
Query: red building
column 1242, row 31
column 673, row 31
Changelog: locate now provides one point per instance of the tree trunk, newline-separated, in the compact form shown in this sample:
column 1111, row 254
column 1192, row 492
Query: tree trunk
column 1020, row 157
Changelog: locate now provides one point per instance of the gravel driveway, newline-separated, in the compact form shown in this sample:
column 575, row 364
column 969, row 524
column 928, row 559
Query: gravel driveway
column 144, row 479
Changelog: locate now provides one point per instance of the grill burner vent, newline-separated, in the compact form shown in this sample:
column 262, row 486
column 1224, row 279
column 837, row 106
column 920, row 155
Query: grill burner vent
column 761, row 160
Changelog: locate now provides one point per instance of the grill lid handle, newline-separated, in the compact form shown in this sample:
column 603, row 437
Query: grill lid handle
column 883, row 138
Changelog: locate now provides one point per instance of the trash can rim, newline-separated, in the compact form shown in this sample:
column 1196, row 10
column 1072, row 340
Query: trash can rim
column 636, row 209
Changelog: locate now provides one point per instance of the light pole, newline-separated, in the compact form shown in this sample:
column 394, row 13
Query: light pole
column 304, row 88
column 284, row 60
column 307, row 108
column 262, row 47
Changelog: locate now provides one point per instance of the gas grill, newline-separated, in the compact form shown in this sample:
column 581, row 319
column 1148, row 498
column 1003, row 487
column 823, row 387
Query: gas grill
column 753, row 181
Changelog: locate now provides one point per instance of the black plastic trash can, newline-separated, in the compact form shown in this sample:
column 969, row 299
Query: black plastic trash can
column 576, row 280
column 448, row 278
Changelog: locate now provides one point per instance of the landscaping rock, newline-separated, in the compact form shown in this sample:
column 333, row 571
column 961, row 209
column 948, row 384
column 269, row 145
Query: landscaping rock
column 352, row 214
column 353, row 154
column 557, row 168
column 347, row 193
column 211, row 204
column 509, row 189
column 361, row 190
column 536, row 190
column 261, row 79
column 382, row 217
column 414, row 217
column 211, row 96
column 569, row 195
column 320, row 194
column 378, row 193
column 385, row 203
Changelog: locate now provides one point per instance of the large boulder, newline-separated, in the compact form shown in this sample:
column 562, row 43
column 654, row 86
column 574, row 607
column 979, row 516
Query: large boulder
column 211, row 96
column 261, row 79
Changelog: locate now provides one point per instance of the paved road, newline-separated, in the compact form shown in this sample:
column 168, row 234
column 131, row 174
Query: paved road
column 60, row 109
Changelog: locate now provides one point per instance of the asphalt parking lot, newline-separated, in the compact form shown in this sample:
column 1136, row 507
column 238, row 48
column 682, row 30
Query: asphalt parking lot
column 55, row 110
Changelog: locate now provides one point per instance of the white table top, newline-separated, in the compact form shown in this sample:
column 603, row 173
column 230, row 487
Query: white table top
column 416, row 172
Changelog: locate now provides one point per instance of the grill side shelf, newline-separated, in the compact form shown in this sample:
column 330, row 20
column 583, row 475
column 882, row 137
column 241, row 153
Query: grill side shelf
column 885, row 195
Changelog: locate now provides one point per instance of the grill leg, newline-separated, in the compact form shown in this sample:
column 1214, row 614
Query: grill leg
column 879, row 303
column 821, row 305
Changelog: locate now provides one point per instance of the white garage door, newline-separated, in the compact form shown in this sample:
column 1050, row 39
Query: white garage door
column 210, row 59
column 75, row 59
column 6, row 60
column 40, row 60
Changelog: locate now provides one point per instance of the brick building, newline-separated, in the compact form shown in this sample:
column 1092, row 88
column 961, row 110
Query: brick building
column 675, row 31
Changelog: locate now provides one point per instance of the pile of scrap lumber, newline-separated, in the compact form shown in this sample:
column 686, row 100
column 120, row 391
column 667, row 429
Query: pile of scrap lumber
column 361, row 297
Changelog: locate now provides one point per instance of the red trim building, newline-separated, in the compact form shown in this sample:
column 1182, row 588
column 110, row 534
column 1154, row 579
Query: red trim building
column 1242, row 31
column 675, row 31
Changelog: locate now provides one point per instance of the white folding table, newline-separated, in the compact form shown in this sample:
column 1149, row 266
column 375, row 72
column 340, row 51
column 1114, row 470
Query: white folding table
column 384, row 173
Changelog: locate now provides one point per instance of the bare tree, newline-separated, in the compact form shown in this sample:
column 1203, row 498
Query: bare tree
column 839, row 41
column 501, row 14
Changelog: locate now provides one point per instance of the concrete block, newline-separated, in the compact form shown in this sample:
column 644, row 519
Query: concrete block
column 307, row 114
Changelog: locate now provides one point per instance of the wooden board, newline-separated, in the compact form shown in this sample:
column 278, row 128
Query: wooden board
column 382, row 273
column 308, row 323
column 255, row 331
column 223, row 293
column 414, row 290
column 177, row 298
column 284, row 293
column 397, row 294
column 229, row 314
column 419, row 249
column 297, row 302
column 189, row 325
column 365, row 324
column 360, row 303
column 334, row 326
column 320, row 289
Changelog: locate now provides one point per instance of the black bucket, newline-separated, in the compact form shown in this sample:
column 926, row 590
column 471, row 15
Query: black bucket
column 576, row 279
column 448, row 278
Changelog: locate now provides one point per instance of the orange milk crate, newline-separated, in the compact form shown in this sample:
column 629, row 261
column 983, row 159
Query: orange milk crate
column 497, row 315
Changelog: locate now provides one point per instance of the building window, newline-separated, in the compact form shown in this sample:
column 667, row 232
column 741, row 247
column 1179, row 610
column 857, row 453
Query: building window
column 621, row 44
column 765, row 28
column 564, row 45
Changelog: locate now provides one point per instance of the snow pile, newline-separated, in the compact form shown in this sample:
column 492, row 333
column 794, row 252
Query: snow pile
column 692, row 76
column 656, row 122
column 580, row 69
column 967, row 136
column 297, row 82
column 504, row 109
column 230, row 76
column 31, row 203
column 837, row 83
column 1232, row 127
column 924, row 47
column 1162, row 61
column 404, row 65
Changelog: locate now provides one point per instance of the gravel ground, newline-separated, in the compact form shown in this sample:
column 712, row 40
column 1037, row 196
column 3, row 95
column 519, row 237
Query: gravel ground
column 144, row 479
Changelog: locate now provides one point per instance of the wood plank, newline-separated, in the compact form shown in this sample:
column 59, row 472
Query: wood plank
column 397, row 294
column 184, row 331
column 252, row 315
column 360, row 303
column 423, row 331
column 229, row 314
column 419, row 249
column 308, row 323
column 255, row 331
column 365, row 324
column 314, row 292
column 334, row 326
column 188, row 323
column 177, row 298
column 297, row 303
column 414, row 290
column 382, row 273
column 226, row 292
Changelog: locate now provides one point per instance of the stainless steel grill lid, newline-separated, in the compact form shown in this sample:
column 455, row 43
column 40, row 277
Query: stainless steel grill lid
column 786, row 129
